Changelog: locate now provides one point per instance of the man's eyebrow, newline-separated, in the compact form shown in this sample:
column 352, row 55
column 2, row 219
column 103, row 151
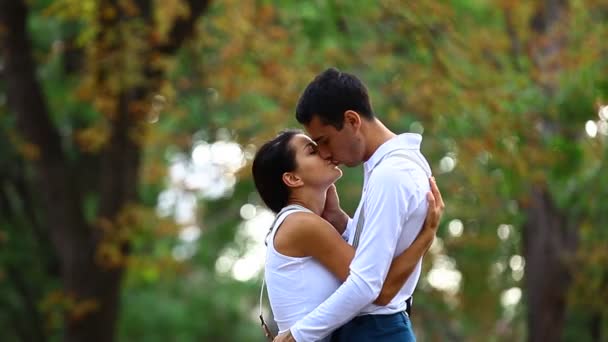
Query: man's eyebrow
column 316, row 140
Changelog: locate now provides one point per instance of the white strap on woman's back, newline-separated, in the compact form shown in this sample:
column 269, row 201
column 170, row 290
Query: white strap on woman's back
column 289, row 208
column 262, row 293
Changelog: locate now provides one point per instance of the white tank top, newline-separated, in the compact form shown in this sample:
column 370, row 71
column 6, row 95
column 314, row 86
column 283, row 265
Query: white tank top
column 295, row 285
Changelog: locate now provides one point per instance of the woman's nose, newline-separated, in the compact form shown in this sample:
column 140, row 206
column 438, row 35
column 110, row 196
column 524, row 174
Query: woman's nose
column 324, row 153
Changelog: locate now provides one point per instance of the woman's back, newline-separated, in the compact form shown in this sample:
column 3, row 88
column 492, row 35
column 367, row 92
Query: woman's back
column 296, row 285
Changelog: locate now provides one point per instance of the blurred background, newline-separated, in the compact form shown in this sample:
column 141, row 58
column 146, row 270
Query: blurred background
column 127, row 209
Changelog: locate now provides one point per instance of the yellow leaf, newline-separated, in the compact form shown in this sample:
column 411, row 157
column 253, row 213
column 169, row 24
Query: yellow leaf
column 109, row 12
column 29, row 151
column 83, row 308
column 92, row 139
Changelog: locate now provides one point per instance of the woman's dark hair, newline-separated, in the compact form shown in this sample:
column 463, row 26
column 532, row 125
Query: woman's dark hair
column 331, row 94
column 271, row 161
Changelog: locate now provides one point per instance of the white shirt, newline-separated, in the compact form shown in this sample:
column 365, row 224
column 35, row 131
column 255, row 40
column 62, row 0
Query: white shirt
column 295, row 285
column 394, row 201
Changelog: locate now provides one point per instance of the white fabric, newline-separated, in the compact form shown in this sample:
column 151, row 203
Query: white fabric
column 394, row 200
column 347, row 230
column 295, row 285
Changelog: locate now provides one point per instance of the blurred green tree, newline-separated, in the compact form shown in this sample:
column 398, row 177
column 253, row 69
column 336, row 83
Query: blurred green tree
column 506, row 94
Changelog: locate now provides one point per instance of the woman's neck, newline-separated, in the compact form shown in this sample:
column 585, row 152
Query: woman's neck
column 312, row 199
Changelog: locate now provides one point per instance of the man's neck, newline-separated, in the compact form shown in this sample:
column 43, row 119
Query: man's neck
column 375, row 134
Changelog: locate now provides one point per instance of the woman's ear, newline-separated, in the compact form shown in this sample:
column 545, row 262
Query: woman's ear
column 292, row 180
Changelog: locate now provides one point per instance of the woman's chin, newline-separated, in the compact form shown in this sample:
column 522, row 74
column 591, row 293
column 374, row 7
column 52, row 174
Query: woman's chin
column 339, row 174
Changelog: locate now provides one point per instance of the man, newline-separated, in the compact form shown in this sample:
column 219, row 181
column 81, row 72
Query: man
column 336, row 111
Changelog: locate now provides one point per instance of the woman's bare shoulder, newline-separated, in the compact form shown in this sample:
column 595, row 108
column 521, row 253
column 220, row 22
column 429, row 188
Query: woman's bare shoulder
column 304, row 223
column 301, row 230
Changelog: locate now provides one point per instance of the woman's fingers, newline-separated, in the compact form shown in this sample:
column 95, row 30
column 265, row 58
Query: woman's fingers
column 435, row 209
column 437, row 193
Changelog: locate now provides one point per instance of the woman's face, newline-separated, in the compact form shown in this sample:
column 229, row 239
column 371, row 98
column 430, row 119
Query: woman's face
column 311, row 168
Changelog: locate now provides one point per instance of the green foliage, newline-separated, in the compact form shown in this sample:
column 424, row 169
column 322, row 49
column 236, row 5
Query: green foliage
column 461, row 72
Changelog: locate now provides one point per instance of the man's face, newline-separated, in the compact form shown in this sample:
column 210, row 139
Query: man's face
column 340, row 146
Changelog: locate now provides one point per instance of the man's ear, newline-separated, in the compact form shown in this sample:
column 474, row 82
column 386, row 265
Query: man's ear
column 292, row 180
column 353, row 119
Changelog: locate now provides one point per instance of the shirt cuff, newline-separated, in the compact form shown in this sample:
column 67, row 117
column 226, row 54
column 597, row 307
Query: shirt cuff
column 295, row 332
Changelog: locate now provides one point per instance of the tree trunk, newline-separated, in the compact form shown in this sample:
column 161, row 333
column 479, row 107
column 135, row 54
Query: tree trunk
column 93, row 285
column 548, row 242
column 550, row 237
column 68, row 230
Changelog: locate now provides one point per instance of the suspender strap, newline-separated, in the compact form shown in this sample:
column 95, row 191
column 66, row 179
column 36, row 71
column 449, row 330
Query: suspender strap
column 359, row 228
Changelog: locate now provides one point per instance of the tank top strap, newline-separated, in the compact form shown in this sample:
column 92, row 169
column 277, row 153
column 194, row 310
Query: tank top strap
column 280, row 217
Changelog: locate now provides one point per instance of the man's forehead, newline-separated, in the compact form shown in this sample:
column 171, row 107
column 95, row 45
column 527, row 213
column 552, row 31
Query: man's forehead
column 315, row 135
column 317, row 129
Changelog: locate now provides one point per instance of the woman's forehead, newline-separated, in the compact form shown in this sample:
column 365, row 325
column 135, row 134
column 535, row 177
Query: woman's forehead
column 301, row 139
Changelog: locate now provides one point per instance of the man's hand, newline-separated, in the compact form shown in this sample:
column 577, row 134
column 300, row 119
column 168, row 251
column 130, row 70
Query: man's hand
column 285, row 337
column 436, row 207
column 332, row 212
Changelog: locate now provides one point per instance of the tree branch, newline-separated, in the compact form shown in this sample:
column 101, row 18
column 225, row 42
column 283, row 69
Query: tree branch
column 26, row 100
column 515, row 43
column 24, row 93
column 35, row 327
column 183, row 27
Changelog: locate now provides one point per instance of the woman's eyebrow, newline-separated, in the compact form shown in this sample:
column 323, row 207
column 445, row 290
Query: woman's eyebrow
column 311, row 144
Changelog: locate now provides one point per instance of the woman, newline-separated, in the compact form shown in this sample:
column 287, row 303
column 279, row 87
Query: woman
column 307, row 258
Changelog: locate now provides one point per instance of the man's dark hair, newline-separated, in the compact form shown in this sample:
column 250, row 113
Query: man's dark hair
column 331, row 94
column 271, row 161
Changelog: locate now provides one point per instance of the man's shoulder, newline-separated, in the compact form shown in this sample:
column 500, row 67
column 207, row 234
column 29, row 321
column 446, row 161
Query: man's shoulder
column 404, row 161
column 394, row 168
column 399, row 172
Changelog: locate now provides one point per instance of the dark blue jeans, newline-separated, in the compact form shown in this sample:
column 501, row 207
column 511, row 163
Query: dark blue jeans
column 376, row 328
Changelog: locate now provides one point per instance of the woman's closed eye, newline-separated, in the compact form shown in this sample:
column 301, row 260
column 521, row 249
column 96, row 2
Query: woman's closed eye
column 312, row 149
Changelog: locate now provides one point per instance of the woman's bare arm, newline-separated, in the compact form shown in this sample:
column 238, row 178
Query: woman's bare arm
column 306, row 234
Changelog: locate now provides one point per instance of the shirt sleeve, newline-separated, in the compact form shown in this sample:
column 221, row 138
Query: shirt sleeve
column 347, row 230
column 386, row 204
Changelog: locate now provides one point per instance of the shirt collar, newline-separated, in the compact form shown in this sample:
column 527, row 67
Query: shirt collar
column 407, row 141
